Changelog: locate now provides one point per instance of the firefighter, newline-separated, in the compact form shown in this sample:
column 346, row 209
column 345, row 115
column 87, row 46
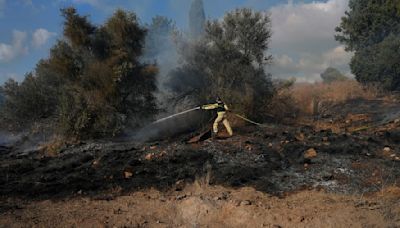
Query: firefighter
column 221, row 109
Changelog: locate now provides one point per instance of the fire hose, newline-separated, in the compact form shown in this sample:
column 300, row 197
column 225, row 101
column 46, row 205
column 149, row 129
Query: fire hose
column 247, row 120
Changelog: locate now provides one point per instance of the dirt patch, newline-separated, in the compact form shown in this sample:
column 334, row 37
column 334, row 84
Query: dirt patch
column 200, row 206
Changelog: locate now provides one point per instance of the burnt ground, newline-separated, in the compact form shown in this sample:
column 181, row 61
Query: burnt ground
column 270, row 158
column 359, row 155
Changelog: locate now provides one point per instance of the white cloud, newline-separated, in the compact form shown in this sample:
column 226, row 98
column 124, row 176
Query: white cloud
column 338, row 56
column 303, row 39
column 310, row 65
column 17, row 48
column 41, row 36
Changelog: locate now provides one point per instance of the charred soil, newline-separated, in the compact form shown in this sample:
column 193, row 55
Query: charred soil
column 338, row 158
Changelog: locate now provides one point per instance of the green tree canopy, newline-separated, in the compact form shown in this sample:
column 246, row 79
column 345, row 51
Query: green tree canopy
column 92, row 84
column 228, row 61
column 2, row 98
column 332, row 74
column 77, row 29
column 370, row 29
column 246, row 31
column 379, row 63
column 368, row 22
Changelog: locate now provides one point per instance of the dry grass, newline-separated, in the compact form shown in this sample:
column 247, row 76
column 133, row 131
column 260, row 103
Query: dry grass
column 309, row 97
column 282, row 106
column 302, row 99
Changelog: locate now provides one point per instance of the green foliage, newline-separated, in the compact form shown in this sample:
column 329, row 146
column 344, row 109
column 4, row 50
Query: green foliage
column 92, row 84
column 26, row 102
column 113, row 89
column 77, row 28
column 379, row 63
column 245, row 31
column 368, row 26
column 2, row 98
column 368, row 22
column 127, row 36
column 332, row 75
column 228, row 61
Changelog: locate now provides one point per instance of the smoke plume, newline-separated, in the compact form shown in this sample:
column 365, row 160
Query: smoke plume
column 197, row 19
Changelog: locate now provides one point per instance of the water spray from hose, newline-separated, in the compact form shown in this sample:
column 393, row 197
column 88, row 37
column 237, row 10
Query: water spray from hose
column 197, row 108
column 177, row 114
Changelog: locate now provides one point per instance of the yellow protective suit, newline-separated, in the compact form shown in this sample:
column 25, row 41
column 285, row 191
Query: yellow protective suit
column 221, row 116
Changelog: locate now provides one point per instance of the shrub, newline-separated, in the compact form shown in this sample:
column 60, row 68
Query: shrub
column 92, row 85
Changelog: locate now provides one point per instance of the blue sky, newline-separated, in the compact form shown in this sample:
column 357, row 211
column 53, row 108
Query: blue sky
column 28, row 29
